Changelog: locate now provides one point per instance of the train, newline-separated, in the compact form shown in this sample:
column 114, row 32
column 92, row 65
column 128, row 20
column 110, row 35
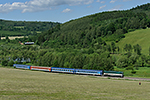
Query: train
column 71, row 70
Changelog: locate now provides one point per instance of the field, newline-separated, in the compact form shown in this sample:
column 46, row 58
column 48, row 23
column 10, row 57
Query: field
column 140, row 37
column 142, row 72
column 18, row 84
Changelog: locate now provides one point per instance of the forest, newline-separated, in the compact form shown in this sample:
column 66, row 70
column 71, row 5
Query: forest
column 24, row 28
column 85, row 43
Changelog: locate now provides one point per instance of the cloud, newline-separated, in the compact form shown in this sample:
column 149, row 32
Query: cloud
column 113, row 1
column 118, row 7
column 100, row 1
column 66, row 10
column 102, row 7
column 39, row 5
column 126, row 0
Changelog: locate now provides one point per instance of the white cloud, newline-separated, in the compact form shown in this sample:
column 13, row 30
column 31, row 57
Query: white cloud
column 66, row 10
column 127, row 0
column 102, row 7
column 100, row 1
column 118, row 7
column 39, row 5
column 113, row 1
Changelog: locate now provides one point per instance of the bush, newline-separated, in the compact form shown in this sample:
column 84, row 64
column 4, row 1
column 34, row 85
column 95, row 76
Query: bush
column 129, row 68
column 90, row 51
column 16, row 62
column 137, row 68
column 131, row 30
column 4, row 63
column 10, row 63
column 133, row 72
column 24, row 63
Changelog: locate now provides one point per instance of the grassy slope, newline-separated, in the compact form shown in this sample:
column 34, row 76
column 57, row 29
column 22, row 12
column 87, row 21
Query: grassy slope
column 143, row 72
column 24, row 84
column 141, row 37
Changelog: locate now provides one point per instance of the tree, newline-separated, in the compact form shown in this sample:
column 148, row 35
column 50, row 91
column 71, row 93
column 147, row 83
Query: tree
column 137, row 49
column 113, row 46
column 7, row 37
column 10, row 63
column 4, row 63
column 128, row 47
column 111, row 27
column 90, row 51
column 55, row 64
column 109, row 48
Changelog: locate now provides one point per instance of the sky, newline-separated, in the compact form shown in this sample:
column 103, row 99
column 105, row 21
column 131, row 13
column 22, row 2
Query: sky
column 60, row 10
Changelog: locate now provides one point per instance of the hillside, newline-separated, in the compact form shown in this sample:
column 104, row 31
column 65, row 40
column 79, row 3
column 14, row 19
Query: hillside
column 98, row 28
column 141, row 37
column 23, row 28
column 92, row 42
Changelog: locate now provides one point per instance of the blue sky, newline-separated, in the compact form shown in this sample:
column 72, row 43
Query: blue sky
column 60, row 10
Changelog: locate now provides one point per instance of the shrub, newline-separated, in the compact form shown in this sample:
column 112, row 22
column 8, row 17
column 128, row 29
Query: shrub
column 4, row 63
column 16, row 62
column 129, row 68
column 10, row 63
column 133, row 72
column 137, row 68
column 24, row 63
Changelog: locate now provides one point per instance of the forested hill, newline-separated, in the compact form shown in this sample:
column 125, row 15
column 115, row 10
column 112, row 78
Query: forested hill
column 97, row 28
column 24, row 28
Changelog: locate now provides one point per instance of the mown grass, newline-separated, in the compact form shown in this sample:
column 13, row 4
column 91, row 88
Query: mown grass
column 13, row 37
column 18, row 84
column 140, row 37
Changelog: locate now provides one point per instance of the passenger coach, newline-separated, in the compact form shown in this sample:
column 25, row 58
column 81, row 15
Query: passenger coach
column 39, row 68
column 89, row 72
column 71, row 70
column 21, row 66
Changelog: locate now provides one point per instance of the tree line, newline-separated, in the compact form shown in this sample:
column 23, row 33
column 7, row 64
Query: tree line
column 103, row 58
column 26, row 27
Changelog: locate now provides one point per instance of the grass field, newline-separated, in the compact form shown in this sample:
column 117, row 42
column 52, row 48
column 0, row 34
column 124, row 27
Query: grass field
column 13, row 37
column 141, row 37
column 18, row 84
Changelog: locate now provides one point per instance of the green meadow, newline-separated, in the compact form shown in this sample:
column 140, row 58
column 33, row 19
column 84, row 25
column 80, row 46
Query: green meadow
column 18, row 84
column 141, row 37
column 142, row 72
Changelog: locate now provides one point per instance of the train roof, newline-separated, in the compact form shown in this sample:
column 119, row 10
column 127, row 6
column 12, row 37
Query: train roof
column 21, row 64
column 88, row 70
column 62, row 68
column 29, row 43
column 118, row 72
